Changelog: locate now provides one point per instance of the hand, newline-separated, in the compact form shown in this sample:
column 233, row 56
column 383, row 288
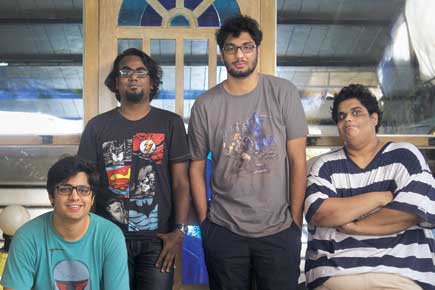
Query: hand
column 349, row 228
column 387, row 197
column 171, row 247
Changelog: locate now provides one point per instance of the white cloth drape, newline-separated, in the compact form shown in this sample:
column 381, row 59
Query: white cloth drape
column 421, row 25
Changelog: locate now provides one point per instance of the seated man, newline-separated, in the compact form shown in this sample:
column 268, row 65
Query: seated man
column 368, row 206
column 69, row 247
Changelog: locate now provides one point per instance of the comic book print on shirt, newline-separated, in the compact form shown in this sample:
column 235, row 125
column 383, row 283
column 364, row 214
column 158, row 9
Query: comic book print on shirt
column 117, row 158
column 149, row 146
column 130, row 168
column 250, row 144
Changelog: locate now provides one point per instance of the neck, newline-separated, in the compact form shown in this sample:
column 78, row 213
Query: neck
column 134, row 112
column 365, row 150
column 71, row 230
column 241, row 86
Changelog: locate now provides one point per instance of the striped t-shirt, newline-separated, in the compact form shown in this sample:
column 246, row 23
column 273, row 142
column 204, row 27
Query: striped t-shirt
column 397, row 167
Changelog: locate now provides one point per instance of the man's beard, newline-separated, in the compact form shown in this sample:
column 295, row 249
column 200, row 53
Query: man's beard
column 241, row 74
column 134, row 97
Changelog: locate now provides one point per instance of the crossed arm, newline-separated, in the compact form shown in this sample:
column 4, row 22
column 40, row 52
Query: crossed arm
column 345, row 214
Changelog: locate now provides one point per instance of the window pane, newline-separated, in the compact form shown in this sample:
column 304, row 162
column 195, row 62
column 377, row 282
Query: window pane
column 163, row 51
column 195, row 72
column 41, row 100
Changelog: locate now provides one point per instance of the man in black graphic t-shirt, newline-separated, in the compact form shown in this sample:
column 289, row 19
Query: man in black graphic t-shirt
column 141, row 152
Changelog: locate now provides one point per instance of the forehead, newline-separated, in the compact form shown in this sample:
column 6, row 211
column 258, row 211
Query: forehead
column 79, row 178
column 350, row 104
column 244, row 37
column 131, row 61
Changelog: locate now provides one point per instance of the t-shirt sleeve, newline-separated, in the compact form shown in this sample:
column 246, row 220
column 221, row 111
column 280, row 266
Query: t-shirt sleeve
column 21, row 263
column 294, row 115
column 178, row 148
column 415, row 191
column 198, row 138
column 319, row 189
column 115, row 267
column 88, row 144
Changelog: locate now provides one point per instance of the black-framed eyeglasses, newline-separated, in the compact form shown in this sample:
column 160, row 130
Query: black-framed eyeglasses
column 67, row 189
column 232, row 49
column 128, row 72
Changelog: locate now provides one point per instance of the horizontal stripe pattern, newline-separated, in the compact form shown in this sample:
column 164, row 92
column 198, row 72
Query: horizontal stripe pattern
column 398, row 167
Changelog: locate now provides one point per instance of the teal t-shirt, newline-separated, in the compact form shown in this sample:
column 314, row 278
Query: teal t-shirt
column 40, row 259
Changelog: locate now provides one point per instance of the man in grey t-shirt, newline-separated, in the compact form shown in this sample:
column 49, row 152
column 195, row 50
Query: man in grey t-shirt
column 254, row 126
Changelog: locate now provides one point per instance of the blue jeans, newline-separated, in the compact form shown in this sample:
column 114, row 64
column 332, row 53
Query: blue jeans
column 142, row 257
column 234, row 261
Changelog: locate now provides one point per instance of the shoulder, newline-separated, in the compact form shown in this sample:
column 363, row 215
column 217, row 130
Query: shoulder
column 211, row 95
column 324, row 161
column 278, row 82
column 161, row 113
column 103, row 226
column 102, row 118
column 406, row 154
column 35, row 227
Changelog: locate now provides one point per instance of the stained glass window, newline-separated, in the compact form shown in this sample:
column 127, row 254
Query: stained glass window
column 141, row 13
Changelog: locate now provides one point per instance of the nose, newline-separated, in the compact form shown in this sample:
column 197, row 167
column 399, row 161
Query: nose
column 239, row 52
column 74, row 195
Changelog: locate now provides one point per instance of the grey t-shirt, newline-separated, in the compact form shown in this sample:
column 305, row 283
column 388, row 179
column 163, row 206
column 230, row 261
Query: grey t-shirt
column 247, row 136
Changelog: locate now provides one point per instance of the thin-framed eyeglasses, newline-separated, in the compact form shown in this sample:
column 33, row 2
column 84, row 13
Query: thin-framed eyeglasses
column 232, row 49
column 128, row 72
column 67, row 189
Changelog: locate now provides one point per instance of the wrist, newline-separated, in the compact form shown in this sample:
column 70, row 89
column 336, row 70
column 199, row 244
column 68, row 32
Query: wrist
column 182, row 228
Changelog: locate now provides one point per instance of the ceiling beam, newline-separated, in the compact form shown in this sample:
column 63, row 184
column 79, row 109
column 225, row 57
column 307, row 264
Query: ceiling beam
column 318, row 19
column 41, row 17
column 42, row 59
column 327, row 61
column 76, row 60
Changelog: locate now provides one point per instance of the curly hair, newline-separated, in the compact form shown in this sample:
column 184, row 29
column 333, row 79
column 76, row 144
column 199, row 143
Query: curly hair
column 363, row 95
column 155, row 72
column 68, row 167
column 235, row 25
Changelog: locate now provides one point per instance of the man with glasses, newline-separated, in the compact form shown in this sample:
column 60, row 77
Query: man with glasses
column 254, row 126
column 142, row 153
column 69, row 247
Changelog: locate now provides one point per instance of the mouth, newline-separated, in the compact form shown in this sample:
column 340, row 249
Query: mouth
column 239, row 65
column 74, row 207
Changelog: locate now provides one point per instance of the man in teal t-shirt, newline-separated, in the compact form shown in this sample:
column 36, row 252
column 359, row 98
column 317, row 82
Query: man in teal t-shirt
column 68, row 248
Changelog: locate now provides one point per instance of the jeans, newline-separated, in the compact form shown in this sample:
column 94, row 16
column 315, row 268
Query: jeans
column 142, row 257
column 232, row 259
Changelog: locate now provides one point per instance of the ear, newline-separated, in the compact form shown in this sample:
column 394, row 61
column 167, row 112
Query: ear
column 375, row 118
column 51, row 198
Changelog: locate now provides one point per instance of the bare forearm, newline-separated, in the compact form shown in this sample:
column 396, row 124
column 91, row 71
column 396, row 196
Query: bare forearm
column 198, row 186
column 383, row 222
column 180, row 188
column 298, row 177
column 335, row 212
column 297, row 195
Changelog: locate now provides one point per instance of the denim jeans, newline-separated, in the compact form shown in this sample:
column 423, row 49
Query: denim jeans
column 142, row 257
column 234, row 261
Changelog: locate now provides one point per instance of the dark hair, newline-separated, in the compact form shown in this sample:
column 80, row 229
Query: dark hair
column 68, row 167
column 155, row 72
column 363, row 95
column 235, row 25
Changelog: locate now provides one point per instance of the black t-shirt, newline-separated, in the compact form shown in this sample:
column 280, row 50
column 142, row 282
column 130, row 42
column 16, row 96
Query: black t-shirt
column 133, row 158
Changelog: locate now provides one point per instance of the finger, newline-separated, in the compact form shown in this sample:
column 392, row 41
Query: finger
column 169, row 261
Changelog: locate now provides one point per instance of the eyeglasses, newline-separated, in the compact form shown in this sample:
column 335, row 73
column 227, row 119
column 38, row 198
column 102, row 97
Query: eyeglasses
column 127, row 72
column 232, row 49
column 67, row 189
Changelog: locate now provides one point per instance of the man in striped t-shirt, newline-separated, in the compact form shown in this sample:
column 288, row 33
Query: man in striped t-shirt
column 370, row 206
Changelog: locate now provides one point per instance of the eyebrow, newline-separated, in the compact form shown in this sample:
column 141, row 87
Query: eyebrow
column 127, row 67
column 351, row 109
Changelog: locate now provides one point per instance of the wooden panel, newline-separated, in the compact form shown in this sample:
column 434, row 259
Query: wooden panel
column 90, row 60
column 268, row 46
